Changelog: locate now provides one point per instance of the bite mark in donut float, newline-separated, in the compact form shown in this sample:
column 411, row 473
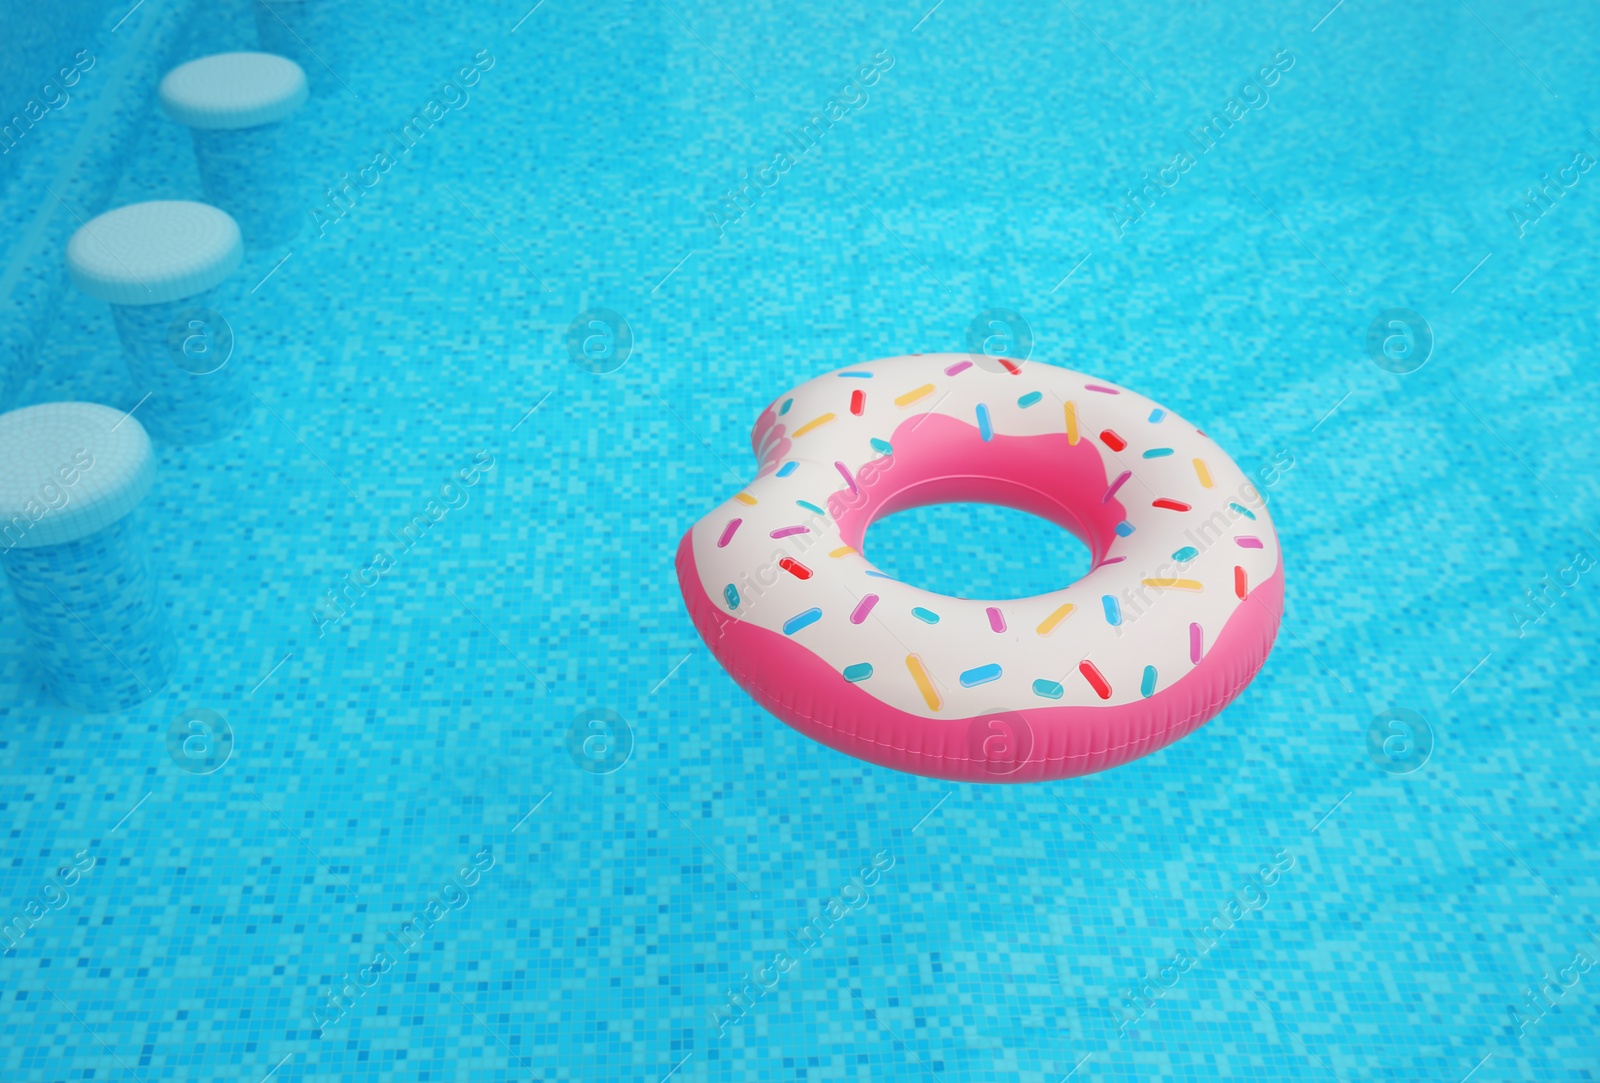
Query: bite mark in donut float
column 1178, row 613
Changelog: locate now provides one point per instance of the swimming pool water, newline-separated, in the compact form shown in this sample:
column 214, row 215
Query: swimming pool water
column 519, row 701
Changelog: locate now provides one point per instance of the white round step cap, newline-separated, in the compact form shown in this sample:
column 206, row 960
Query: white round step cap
column 68, row 469
column 150, row 253
column 233, row 90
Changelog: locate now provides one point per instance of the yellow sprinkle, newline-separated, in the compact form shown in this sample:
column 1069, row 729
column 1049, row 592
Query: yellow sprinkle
column 842, row 551
column 1072, row 424
column 1202, row 473
column 1173, row 584
column 912, row 396
column 816, row 422
column 919, row 673
column 1048, row 625
column 745, row 498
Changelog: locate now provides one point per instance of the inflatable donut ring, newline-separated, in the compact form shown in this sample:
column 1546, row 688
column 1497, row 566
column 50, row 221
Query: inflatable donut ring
column 1176, row 616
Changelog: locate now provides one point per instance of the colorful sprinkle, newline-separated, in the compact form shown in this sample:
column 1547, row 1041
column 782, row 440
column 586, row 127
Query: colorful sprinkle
column 731, row 593
column 790, row 531
column 1186, row 554
column 1196, row 642
column 858, row 672
column 1095, row 679
column 855, row 375
column 1241, row 582
column 1167, row 583
column 745, row 499
column 809, row 506
column 997, row 619
column 1147, row 686
column 912, row 396
column 958, row 367
column 1109, row 438
column 784, row 409
column 1247, row 541
column 801, row 620
column 980, row 675
column 727, row 533
column 795, row 568
column 1102, row 390
column 1113, row 609
column 985, row 430
column 842, row 551
column 1244, row 511
column 1072, row 424
column 858, row 401
column 926, row 616
column 1202, row 473
column 1030, row 398
column 1159, row 453
column 919, row 673
column 882, row 447
column 1111, row 491
column 1169, row 504
column 863, row 607
column 814, row 423
column 1157, row 415
column 788, row 468
column 1047, row 689
column 1048, row 625
column 1010, row 366
column 844, row 472
column 1110, row 560
column 1124, row 528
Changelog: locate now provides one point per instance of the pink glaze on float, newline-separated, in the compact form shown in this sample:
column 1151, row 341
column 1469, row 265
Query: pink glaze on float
column 1026, row 689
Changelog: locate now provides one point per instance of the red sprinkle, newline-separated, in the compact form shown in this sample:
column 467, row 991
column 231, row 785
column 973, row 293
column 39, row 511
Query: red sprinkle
column 795, row 568
column 858, row 402
column 1112, row 440
column 1009, row 367
column 1096, row 681
column 1241, row 584
column 1170, row 505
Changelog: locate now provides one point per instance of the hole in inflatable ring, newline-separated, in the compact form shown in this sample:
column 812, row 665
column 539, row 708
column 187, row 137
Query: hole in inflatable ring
column 966, row 550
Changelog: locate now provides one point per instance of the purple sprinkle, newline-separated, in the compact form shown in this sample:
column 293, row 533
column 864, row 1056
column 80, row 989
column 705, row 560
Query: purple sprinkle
column 997, row 619
column 844, row 472
column 959, row 366
column 1196, row 642
column 1115, row 485
column 727, row 533
column 1102, row 390
column 1247, row 541
column 787, row 531
column 863, row 607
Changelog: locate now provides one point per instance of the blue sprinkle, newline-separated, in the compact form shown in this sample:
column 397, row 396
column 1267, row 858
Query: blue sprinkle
column 1113, row 609
column 926, row 616
column 858, row 376
column 1158, row 453
column 732, row 594
column 1124, row 528
column 1029, row 399
column 981, row 675
column 1147, row 687
column 858, row 672
column 784, row 409
column 1156, row 415
column 1242, row 510
column 788, row 468
column 809, row 506
column 882, row 446
column 984, row 429
column 801, row 620
column 880, row 575
column 1047, row 689
column 1186, row 554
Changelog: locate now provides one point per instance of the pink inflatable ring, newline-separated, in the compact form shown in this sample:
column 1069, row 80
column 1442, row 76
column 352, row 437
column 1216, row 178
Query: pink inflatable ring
column 1176, row 616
